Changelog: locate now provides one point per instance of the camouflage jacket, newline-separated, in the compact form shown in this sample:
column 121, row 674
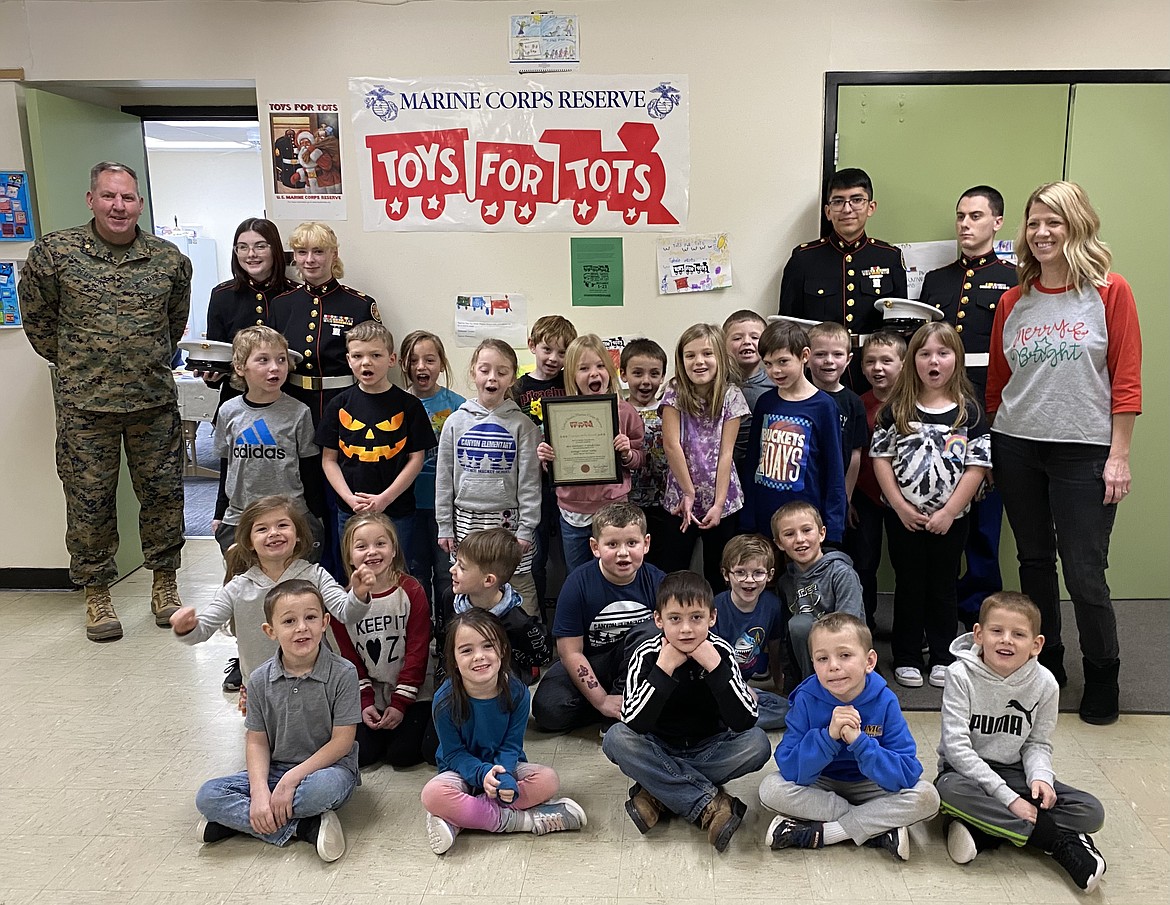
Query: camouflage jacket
column 110, row 326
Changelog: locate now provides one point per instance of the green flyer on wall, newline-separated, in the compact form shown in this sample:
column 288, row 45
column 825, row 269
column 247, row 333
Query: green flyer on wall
column 596, row 266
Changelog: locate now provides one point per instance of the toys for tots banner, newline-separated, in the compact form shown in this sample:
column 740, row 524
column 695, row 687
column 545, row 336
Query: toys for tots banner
column 579, row 153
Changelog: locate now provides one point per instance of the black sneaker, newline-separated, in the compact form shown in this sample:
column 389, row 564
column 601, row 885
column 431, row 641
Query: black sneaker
column 208, row 831
column 784, row 832
column 895, row 841
column 1076, row 853
column 233, row 679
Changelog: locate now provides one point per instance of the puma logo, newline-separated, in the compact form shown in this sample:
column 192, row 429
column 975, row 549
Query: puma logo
column 1016, row 705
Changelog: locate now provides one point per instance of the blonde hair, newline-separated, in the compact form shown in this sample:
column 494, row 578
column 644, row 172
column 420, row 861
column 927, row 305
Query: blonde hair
column 1011, row 602
column 397, row 561
column 830, row 330
column 588, row 342
column 317, row 235
column 903, row 402
column 247, row 341
column 690, row 397
column 411, row 340
column 1088, row 258
column 370, row 332
column 498, row 345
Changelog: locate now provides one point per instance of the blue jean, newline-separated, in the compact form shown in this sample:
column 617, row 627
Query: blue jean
column 434, row 563
column 982, row 577
column 227, row 800
column 1053, row 494
column 773, row 710
column 404, row 526
column 685, row 779
column 575, row 542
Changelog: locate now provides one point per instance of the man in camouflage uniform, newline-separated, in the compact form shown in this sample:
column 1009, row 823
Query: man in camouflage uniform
column 106, row 304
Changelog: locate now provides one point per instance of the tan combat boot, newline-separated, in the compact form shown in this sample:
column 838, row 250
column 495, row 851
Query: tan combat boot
column 101, row 622
column 644, row 809
column 164, row 597
column 721, row 818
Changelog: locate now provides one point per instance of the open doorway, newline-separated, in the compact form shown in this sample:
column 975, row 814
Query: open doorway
column 205, row 177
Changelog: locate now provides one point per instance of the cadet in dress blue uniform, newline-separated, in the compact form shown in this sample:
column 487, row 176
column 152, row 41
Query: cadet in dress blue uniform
column 967, row 292
column 315, row 318
column 840, row 276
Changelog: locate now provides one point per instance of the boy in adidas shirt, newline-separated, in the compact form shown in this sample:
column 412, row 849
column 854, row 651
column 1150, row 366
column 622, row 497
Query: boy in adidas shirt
column 265, row 438
column 995, row 774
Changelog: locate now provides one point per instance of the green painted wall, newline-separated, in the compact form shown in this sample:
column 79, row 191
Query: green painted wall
column 923, row 145
column 67, row 138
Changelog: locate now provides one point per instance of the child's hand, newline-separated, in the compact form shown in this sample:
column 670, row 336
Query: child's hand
column 683, row 511
column 713, row 517
column 1043, row 793
column 939, row 522
column 282, row 799
column 545, row 453
column 370, row 716
column 508, row 789
column 260, row 815
column 491, row 785
column 183, row 620
column 370, row 502
column 448, row 545
column 910, row 517
column 621, row 443
column 362, row 581
column 670, row 658
column 843, row 715
column 706, row 656
column 391, row 719
column 1023, row 810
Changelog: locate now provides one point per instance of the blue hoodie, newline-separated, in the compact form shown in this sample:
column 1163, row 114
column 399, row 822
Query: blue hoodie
column 884, row 752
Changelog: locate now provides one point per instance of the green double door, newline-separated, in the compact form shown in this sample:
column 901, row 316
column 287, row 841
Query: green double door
column 923, row 145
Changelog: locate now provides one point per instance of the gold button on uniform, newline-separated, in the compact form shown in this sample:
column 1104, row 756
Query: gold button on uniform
column 963, row 300
column 259, row 310
column 312, row 325
column 313, row 313
column 966, row 285
column 308, row 353
column 992, row 306
column 849, row 318
column 850, row 273
column 849, row 260
column 309, row 366
column 959, row 329
column 259, row 323
column 877, row 290
column 962, row 314
column 970, row 273
column 308, row 339
column 849, row 303
column 850, row 287
column 259, row 297
column 820, row 292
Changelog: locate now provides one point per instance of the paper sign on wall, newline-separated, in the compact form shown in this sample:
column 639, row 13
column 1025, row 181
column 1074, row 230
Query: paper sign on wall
column 694, row 263
column 306, row 160
column 491, row 315
column 16, row 222
column 9, row 303
column 544, row 42
column 596, row 266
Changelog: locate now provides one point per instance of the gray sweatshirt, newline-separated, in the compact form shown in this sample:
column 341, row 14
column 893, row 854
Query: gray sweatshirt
column 829, row 585
column 989, row 719
column 242, row 599
column 487, row 463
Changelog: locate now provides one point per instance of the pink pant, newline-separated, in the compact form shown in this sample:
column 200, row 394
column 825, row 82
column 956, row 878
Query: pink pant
column 449, row 797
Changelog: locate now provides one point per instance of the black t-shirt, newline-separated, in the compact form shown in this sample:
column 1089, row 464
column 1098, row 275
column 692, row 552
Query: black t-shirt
column 854, row 429
column 528, row 390
column 374, row 434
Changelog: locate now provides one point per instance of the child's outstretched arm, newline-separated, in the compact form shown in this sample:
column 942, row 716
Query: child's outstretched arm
column 192, row 627
column 343, row 605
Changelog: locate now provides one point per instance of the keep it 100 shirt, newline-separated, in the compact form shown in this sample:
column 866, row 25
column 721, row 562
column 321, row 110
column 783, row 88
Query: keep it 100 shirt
column 374, row 435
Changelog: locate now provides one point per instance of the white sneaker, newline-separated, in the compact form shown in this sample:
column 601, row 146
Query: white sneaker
column 909, row 676
column 440, row 834
column 330, row 837
column 938, row 675
column 960, row 843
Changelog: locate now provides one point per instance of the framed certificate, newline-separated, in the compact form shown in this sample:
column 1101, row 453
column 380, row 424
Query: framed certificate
column 581, row 430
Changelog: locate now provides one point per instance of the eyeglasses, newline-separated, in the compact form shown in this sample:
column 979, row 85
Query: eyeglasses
column 744, row 575
column 259, row 247
column 857, row 202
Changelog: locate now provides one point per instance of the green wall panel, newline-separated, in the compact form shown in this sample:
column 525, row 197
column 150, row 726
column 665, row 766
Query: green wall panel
column 1117, row 151
column 924, row 145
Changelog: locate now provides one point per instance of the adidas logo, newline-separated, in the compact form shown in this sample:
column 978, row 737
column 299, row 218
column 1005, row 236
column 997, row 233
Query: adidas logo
column 257, row 442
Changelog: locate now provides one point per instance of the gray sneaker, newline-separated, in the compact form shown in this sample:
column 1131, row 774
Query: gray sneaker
column 557, row 815
column 440, row 834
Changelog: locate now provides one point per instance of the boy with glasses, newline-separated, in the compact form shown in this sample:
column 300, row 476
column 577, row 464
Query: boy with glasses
column 840, row 276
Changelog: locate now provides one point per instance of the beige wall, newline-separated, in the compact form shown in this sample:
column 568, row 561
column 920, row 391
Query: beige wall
column 756, row 71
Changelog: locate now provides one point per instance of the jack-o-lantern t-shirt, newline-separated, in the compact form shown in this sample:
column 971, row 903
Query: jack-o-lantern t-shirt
column 374, row 435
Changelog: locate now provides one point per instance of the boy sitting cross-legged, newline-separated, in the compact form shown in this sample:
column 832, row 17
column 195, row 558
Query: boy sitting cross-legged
column 849, row 766
column 995, row 756
column 301, row 752
column 688, row 718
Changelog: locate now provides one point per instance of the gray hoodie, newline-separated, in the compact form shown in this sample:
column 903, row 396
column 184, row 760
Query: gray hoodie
column 487, row 463
column 990, row 719
column 829, row 585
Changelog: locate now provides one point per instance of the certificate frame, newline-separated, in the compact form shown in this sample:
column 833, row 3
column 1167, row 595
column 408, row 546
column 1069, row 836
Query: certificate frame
column 581, row 431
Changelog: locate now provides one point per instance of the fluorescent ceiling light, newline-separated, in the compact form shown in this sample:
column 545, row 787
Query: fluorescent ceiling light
column 159, row 144
column 204, row 124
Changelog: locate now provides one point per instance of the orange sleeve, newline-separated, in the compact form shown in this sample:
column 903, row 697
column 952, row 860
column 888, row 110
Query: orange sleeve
column 998, row 371
column 1124, row 357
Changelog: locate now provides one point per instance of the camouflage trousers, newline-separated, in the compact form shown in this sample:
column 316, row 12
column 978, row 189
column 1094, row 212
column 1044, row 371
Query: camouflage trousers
column 88, row 461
